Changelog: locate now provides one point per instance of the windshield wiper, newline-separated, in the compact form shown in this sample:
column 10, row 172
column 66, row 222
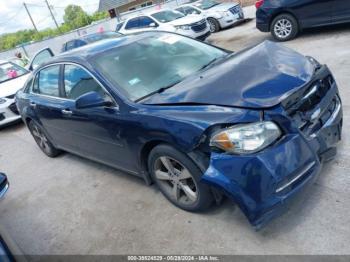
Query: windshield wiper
column 158, row 91
column 214, row 60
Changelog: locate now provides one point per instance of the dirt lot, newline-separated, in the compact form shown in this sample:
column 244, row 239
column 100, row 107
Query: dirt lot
column 70, row 205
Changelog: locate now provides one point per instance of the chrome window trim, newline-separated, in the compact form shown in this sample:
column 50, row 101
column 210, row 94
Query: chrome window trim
column 68, row 99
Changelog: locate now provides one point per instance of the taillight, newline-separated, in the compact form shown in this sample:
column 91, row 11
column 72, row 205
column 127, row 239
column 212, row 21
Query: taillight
column 259, row 3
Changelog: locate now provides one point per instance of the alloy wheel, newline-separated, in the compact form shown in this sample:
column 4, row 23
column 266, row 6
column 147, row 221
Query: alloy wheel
column 176, row 180
column 40, row 138
column 212, row 26
column 283, row 28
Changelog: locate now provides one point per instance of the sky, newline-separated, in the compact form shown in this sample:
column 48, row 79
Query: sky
column 13, row 16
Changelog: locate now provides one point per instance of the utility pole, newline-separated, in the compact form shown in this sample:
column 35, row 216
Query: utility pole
column 53, row 17
column 31, row 19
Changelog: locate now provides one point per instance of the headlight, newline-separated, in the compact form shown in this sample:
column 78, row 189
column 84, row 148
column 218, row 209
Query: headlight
column 224, row 13
column 246, row 138
column 183, row 27
column 2, row 100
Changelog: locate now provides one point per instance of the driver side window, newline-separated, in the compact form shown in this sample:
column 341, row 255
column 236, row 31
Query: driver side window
column 78, row 81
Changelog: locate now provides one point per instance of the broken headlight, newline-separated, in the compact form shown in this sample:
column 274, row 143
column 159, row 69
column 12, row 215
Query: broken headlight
column 246, row 138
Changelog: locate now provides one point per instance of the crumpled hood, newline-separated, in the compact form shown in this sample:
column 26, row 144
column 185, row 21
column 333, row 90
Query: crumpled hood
column 259, row 77
column 187, row 20
column 11, row 87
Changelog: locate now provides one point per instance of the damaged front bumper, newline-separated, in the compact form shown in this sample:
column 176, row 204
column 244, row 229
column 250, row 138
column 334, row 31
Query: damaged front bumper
column 263, row 183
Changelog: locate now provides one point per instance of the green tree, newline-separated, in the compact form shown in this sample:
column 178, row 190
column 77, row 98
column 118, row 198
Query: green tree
column 99, row 16
column 75, row 17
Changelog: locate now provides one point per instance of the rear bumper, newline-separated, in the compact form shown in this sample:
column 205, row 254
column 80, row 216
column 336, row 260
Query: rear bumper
column 263, row 18
column 263, row 184
column 263, row 27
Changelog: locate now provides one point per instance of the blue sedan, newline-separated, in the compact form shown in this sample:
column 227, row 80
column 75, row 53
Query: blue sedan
column 198, row 121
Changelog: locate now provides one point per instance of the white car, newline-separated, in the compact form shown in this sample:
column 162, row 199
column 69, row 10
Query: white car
column 12, row 79
column 219, row 15
column 167, row 20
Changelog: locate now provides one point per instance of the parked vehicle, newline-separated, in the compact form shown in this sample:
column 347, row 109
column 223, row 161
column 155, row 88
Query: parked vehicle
column 167, row 20
column 88, row 39
column 17, row 61
column 12, row 78
column 199, row 121
column 9, row 251
column 219, row 15
column 285, row 19
column 4, row 185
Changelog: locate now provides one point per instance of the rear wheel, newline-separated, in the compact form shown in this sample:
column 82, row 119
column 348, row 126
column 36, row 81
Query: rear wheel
column 42, row 141
column 284, row 27
column 214, row 25
column 178, row 178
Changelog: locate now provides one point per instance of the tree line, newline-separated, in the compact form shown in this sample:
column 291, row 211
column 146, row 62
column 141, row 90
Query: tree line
column 74, row 17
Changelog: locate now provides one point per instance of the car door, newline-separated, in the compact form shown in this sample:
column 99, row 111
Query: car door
column 312, row 13
column 40, row 57
column 96, row 130
column 45, row 99
column 341, row 11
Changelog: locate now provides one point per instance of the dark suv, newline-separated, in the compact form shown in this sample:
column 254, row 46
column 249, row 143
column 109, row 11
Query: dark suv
column 286, row 18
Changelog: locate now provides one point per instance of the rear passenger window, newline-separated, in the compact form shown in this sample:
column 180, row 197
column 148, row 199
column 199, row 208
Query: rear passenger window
column 132, row 23
column 47, row 81
column 78, row 82
column 145, row 21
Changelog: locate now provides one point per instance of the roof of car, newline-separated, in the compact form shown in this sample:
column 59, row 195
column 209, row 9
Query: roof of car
column 84, row 52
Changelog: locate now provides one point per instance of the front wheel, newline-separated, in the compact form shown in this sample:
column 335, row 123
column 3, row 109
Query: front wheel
column 178, row 178
column 284, row 27
column 214, row 25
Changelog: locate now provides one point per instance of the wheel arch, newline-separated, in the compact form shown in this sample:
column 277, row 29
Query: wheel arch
column 198, row 158
column 282, row 12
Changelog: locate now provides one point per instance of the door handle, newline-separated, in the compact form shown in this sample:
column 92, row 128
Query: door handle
column 32, row 104
column 66, row 112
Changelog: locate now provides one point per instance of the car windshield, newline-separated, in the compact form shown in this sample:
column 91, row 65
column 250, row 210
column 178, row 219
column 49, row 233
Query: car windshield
column 154, row 62
column 167, row 16
column 206, row 4
column 10, row 71
column 100, row 36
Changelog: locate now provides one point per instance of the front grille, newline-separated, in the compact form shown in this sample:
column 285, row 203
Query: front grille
column 2, row 117
column 236, row 9
column 308, row 108
column 199, row 26
column 14, row 109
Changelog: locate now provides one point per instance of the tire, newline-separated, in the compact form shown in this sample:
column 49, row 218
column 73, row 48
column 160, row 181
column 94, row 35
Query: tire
column 188, row 192
column 214, row 25
column 284, row 27
column 42, row 141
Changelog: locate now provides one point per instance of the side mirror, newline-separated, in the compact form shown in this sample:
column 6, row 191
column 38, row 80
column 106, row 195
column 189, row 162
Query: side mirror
column 4, row 184
column 152, row 25
column 91, row 99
